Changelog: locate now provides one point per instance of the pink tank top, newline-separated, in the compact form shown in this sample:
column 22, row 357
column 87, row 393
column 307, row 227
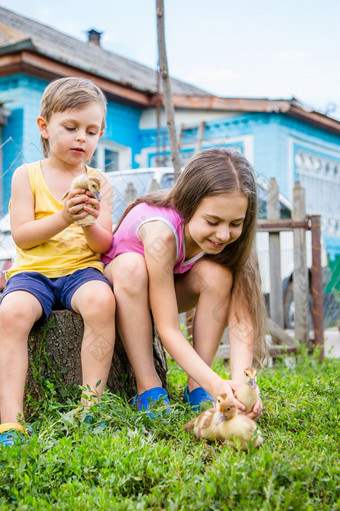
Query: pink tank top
column 126, row 238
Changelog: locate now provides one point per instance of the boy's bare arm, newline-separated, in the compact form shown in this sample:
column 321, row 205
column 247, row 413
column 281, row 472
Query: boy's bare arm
column 26, row 231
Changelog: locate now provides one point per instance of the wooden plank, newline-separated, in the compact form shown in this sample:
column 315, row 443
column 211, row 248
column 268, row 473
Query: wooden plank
column 300, row 275
column 280, row 342
column 317, row 286
column 282, row 224
column 276, row 292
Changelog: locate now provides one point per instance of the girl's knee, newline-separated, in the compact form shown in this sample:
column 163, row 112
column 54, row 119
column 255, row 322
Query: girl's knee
column 130, row 275
column 216, row 277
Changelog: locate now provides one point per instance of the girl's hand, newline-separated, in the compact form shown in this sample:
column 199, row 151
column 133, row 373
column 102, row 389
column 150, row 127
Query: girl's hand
column 257, row 410
column 228, row 388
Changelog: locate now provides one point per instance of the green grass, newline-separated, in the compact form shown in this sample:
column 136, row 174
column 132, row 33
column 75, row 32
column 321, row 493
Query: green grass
column 137, row 463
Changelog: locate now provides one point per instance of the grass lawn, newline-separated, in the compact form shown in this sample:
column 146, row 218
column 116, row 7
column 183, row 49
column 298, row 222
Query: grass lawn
column 137, row 463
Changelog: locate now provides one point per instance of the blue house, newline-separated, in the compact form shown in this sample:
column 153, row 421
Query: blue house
column 283, row 138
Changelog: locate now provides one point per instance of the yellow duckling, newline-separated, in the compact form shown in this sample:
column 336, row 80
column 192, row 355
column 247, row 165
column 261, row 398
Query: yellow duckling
column 204, row 425
column 91, row 182
column 238, row 428
column 224, row 424
column 249, row 391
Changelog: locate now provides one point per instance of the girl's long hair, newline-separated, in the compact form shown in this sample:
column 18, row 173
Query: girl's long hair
column 213, row 172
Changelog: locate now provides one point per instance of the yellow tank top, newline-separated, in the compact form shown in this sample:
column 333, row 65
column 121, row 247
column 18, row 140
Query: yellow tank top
column 64, row 253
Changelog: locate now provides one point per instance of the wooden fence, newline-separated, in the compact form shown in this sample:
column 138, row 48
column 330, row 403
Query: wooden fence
column 299, row 224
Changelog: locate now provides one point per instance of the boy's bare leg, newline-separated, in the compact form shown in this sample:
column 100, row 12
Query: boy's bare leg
column 95, row 302
column 19, row 311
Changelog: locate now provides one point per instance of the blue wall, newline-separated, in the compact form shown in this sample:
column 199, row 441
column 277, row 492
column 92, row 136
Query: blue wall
column 274, row 137
column 21, row 95
column 270, row 132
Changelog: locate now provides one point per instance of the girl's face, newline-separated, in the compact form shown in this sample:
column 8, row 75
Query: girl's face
column 73, row 134
column 217, row 221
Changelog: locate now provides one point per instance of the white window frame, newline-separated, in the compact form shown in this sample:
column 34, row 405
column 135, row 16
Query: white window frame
column 124, row 154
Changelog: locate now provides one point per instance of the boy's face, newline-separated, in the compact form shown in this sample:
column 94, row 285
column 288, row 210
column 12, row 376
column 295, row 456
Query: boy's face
column 74, row 133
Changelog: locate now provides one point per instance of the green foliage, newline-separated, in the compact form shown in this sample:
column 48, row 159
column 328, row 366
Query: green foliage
column 136, row 463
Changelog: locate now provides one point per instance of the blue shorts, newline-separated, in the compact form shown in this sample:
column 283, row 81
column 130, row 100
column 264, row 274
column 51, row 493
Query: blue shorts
column 52, row 293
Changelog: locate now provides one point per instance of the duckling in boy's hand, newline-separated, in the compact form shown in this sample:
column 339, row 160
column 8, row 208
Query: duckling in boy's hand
column 91, row 182
column 223, row 423
column 249, row 391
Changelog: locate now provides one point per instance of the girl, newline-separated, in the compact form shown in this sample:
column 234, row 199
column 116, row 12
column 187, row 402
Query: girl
column 191, row 247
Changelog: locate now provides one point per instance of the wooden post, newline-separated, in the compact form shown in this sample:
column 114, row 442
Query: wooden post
column 168, row 104
column 276, row 292
column 130, row 194
column 200, row 135
column 317, row 291
column 300, row 275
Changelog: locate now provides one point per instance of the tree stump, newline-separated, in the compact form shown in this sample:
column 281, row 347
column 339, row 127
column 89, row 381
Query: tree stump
column 54, row 355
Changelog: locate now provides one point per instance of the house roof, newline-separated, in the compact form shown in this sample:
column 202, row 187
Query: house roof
column 31, row 47
column 19, row 34
column 291, row 107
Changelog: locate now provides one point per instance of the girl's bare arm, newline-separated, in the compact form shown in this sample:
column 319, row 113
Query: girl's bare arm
column 160, row 255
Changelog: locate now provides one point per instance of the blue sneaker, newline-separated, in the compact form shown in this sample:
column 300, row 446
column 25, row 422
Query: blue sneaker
column 196, row 397
column 86, row 417
column 145, row 400
column 11, row 433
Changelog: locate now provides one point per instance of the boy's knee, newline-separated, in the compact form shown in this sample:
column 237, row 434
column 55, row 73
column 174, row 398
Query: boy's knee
column 20, row 317
column 103, row 303
column 95, row 300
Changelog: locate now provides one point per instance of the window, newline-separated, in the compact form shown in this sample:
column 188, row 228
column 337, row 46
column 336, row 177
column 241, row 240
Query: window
column 110, row 156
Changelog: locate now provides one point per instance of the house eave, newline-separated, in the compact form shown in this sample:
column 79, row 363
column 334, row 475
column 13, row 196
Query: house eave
column 25, row 44
column 316, row 119
column 23, row 61
column 289, row 107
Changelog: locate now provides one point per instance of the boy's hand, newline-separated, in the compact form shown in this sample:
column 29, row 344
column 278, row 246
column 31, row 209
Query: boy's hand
column 92, row 206
column 74, row 205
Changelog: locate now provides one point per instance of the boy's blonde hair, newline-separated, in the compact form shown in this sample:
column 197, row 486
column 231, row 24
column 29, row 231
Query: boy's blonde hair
column 69, row 93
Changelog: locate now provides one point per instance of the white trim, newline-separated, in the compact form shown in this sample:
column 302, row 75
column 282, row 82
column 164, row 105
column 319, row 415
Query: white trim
column 193, row 259
column 124, row 154
column 248, row 145
column 164, row 220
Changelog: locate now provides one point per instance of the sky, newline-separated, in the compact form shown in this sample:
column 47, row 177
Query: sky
column 231, row 48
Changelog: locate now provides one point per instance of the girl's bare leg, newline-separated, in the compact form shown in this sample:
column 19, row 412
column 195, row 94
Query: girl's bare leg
column 19, row 311
column 129, row 274
column 208, row 287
